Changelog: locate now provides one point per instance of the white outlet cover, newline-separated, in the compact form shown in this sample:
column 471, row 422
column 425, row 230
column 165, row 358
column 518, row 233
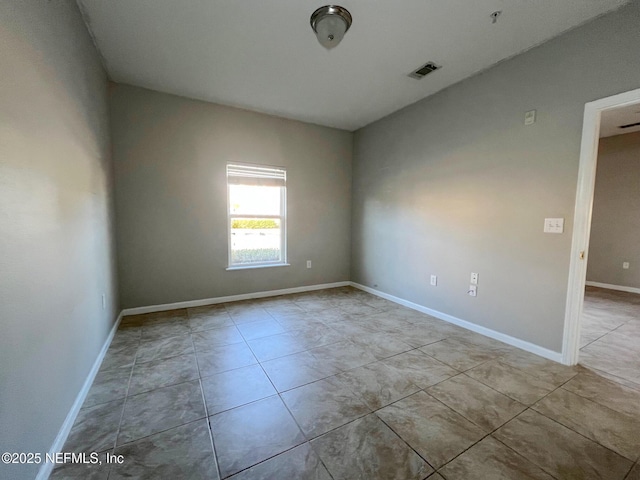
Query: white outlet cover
column 473, row 291
column 434, row 280
column 553, row 225
column 474, row 278
column 625, row 265
column 308, row 263
column 530, row 117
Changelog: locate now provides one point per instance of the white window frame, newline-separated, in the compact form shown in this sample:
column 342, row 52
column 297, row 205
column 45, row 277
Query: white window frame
column 282, row 218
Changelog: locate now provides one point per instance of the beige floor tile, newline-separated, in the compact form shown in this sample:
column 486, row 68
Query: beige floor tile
column 298, row 463
column 161, row 409
column 459, row 355
column 432, row 429
column 539, row 367
column 614, row 430
column 95, row 428
column 224, row 357
column 233, row 388
column 323, row 405
column 560, row 451
column 491, row 459
column 512, row 382
column 390, row 353
column 368, row 449
column 612, row 394
column 419, row 368
column 295, row 370
column 344, row 355
column 377, row 384
column 634, row 474
column 616, row 353
column 252, row 433
column 181, row 452
column 475, row 401
column 263, row 328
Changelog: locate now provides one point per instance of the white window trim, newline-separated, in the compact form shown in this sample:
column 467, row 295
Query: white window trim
column 283, row 227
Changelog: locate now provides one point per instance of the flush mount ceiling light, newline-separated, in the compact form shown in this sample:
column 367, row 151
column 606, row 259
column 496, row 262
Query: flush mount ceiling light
column 330, row 23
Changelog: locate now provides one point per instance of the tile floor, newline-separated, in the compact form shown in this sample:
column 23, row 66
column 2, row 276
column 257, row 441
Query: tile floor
column 339, row 384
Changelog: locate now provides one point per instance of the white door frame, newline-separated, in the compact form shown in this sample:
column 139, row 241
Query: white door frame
column 582, row 218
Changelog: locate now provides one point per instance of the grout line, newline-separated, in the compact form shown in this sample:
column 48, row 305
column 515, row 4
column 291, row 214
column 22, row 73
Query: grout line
column 492, row 431
column 275, row 389
column 124, row 404
column 628, row 475
column 575, row 431
column 135, row 440
column 603, row 335
column 578, row 433
column 499, row 357
column 622, row 381
column 530, row 407
column 490, row 434
column 403, row 440
column 467, row 418
column 520, row 454
column 204, row 400
column 307, row 440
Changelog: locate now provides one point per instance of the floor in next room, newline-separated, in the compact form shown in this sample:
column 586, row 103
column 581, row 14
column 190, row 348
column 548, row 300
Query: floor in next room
column 340, row 384
column 610, row 336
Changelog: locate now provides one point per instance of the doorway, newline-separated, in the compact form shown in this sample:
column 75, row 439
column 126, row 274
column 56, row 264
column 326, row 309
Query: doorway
column 593, row 114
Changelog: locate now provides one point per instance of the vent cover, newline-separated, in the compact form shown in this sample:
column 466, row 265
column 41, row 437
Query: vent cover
column 630, row 125
column 424, row 70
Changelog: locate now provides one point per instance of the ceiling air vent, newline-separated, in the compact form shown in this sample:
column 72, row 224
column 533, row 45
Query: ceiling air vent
column 424, row 70
column 630, row 125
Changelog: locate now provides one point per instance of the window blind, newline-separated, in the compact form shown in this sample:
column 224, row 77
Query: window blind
column 256, row 175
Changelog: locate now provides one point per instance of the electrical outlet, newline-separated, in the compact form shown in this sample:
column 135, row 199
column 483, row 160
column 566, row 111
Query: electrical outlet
column 474, row 278
column 625, row 265
column 473, row 291
column 553, row 225
column 434, row 280
column 308, row 263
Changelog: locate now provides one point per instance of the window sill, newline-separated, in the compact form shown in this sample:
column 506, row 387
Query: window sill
column 249, row 267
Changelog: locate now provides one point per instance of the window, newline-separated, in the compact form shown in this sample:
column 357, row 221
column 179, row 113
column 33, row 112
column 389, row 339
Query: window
column 257, row 216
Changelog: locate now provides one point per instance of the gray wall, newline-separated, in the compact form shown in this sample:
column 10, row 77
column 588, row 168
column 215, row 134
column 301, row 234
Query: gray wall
column 615, row 224
column 457, row 184
column 170, row 158
column 56, row 248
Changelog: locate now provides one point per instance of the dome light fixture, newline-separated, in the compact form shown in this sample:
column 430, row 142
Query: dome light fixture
column 330, row 23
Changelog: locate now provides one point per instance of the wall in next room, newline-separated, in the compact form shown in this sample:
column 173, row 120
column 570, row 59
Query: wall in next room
column 170, row 157
column 615, row 222
column 456, row 183
column 57, row 245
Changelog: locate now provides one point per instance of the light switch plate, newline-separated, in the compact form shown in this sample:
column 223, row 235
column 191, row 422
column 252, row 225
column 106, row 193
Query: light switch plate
column 625, row 265
column 553, row 225
column 434, row 280
column 530, row 117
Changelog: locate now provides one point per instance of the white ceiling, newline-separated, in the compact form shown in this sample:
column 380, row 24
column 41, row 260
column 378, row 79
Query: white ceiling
column 611, row 120
column 263, row 56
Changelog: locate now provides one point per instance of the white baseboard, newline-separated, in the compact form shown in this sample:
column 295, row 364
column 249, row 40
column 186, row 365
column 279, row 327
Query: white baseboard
column 230, row 298
column 63, row 433
column 487, row 332
column 620, row 288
